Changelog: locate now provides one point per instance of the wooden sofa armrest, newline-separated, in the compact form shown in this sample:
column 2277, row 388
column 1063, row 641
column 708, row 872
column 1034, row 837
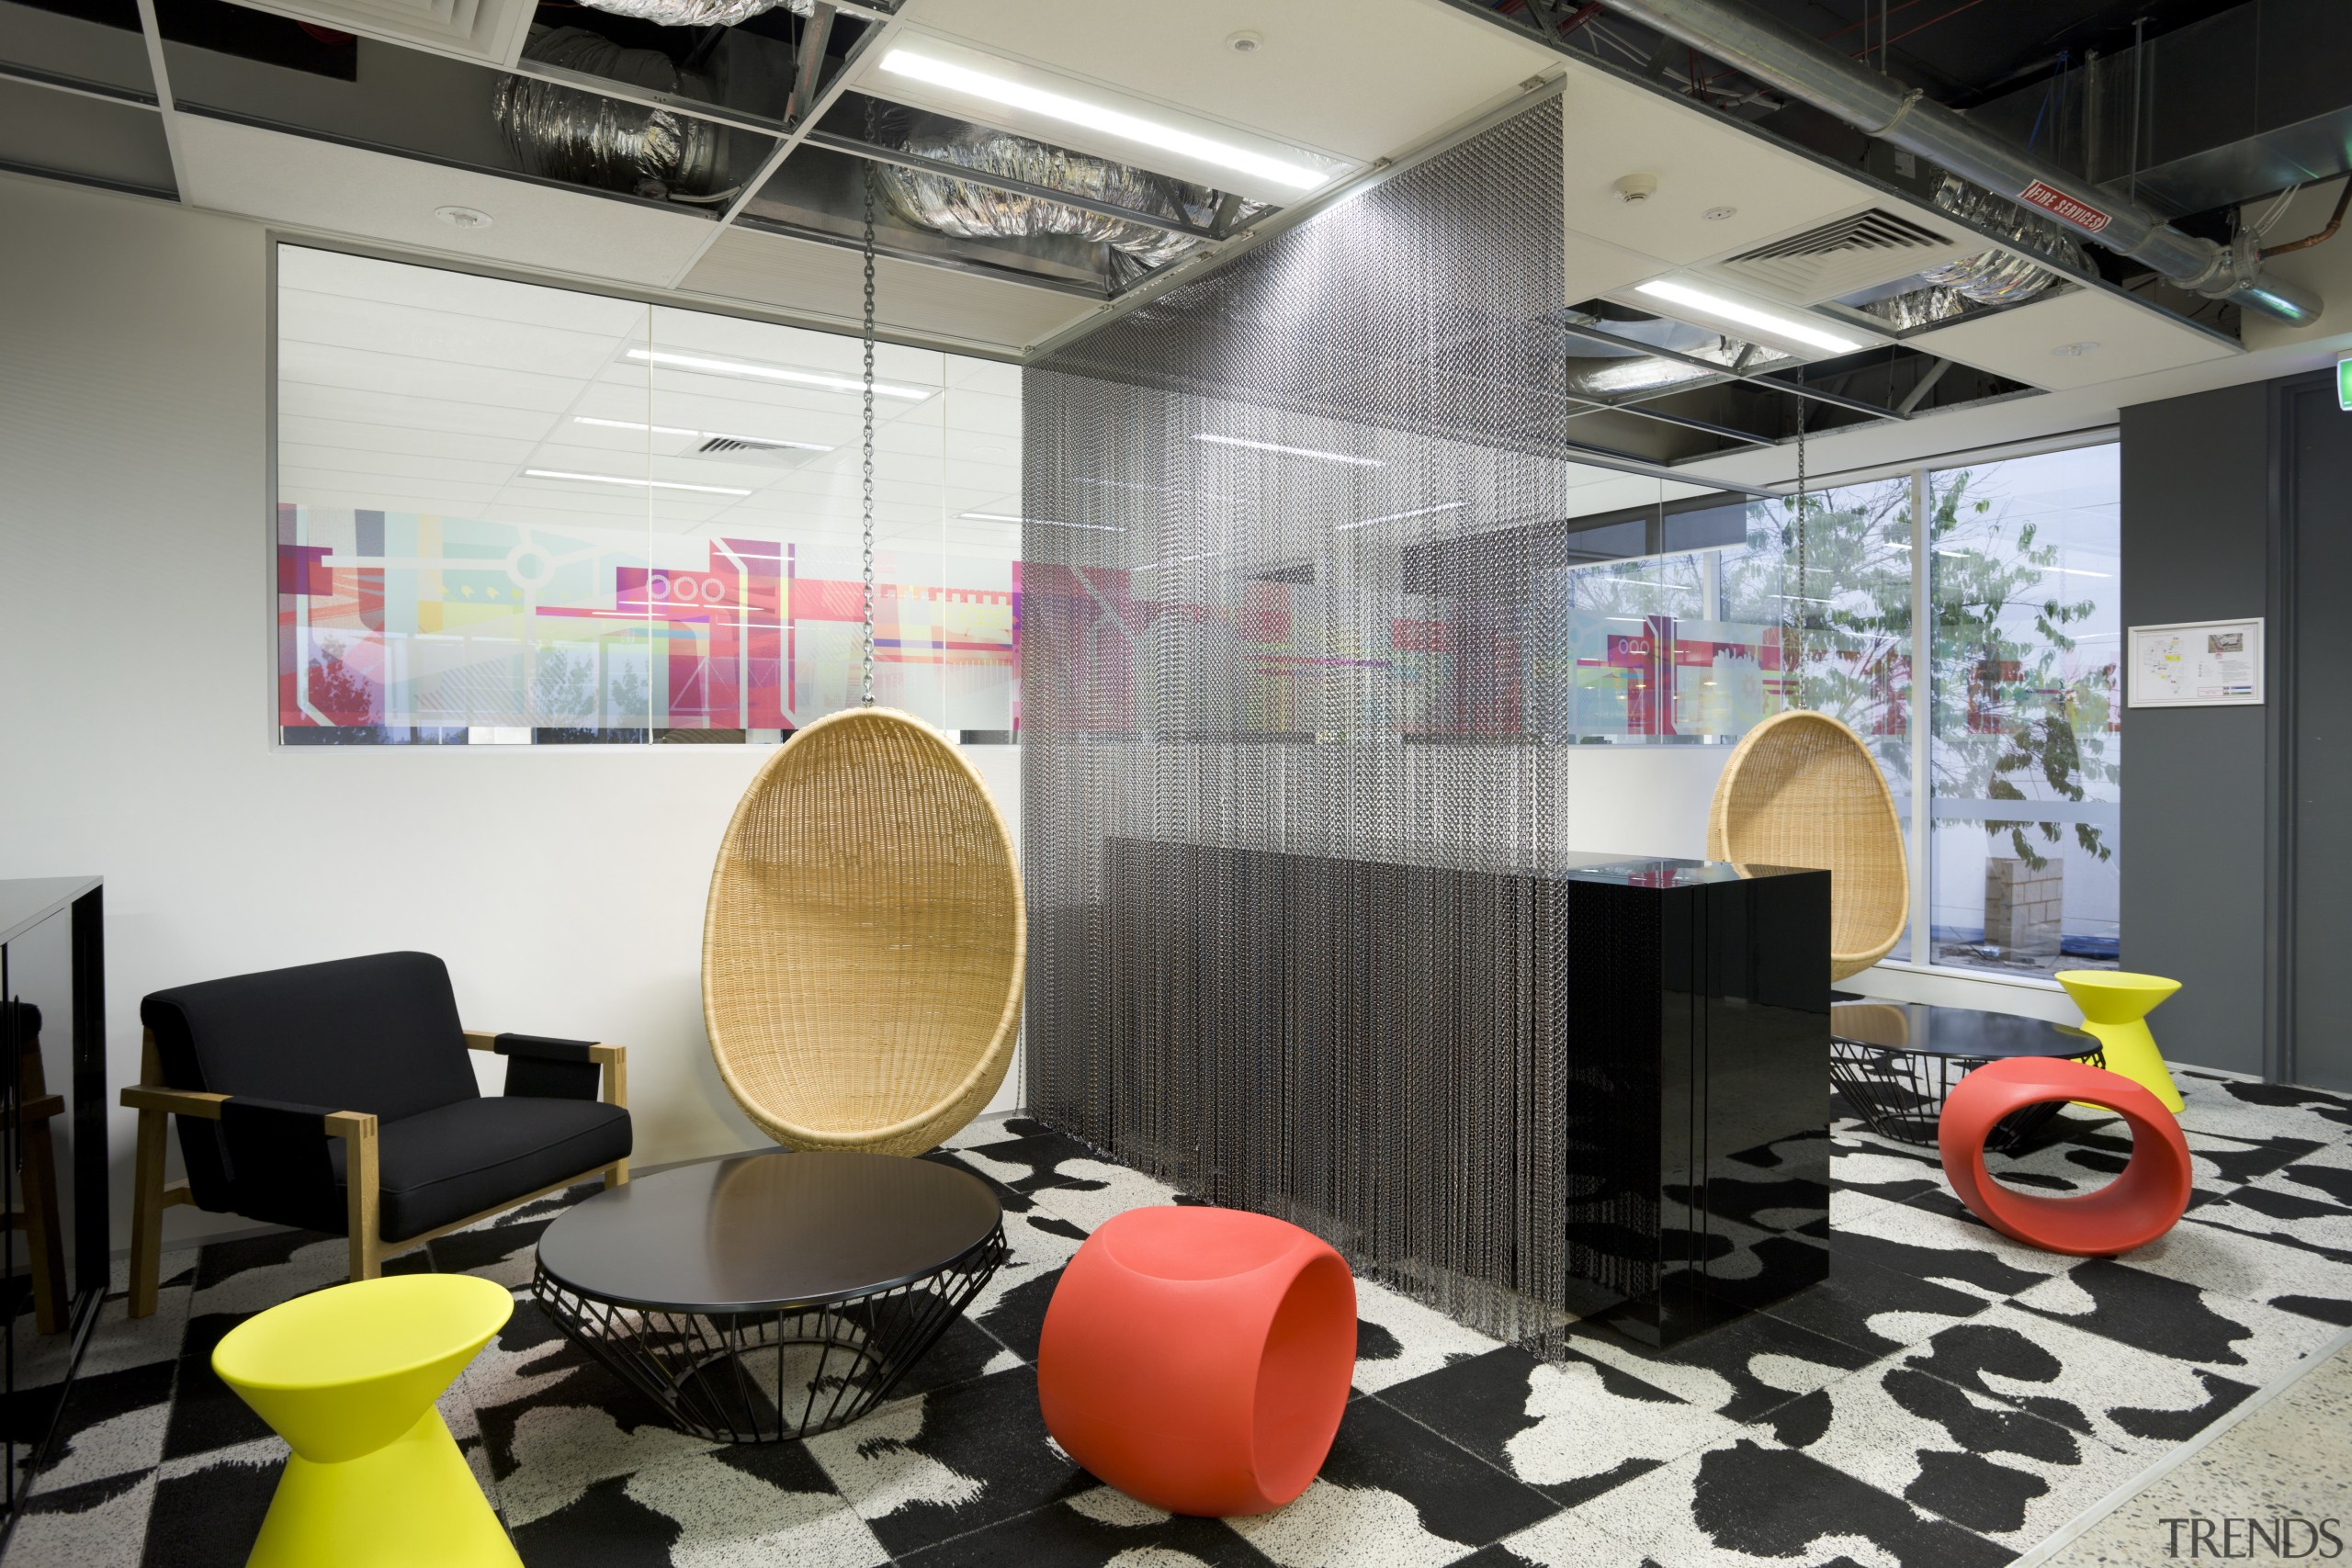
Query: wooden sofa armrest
column 176, row 1101
column 613, row 1059
column 149, row 1196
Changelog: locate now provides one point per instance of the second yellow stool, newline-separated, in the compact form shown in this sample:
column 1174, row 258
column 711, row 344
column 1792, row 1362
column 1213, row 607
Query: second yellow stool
column 348, row 1376
column 2115, row 1004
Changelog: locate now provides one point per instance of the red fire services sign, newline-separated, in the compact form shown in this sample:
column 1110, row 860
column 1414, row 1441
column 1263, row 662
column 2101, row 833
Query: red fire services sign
column 2082, row 215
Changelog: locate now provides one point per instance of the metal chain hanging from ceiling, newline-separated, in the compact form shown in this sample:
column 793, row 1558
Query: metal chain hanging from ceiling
column 1793, row 630
column 866, row 514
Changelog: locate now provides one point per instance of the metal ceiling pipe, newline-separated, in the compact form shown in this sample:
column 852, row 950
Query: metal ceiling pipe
column 1740, row 36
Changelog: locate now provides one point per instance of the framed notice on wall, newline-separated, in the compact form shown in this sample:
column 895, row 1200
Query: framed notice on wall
column 2196, row 664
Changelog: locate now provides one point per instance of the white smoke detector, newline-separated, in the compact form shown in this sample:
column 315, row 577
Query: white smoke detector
column 1636, row 187
column 1245, row 42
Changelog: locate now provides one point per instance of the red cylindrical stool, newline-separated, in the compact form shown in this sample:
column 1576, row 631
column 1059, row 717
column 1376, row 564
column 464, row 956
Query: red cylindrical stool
column 2132, row 1211
column 1198, row 1359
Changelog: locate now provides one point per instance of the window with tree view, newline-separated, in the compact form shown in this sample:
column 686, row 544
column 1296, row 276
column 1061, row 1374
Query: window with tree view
column 2026, row 723
column 2012, row 744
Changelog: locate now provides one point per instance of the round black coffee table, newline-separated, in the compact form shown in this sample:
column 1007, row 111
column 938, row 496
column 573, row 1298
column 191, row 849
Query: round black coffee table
column 771, row 1297
column 1895, row 1061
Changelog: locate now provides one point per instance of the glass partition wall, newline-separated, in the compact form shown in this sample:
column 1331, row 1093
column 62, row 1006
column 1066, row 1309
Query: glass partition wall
column 2012, row 746
column 510, row 514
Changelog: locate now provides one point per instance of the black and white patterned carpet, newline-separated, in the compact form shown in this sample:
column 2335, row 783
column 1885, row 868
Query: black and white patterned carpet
column 1946, row 1400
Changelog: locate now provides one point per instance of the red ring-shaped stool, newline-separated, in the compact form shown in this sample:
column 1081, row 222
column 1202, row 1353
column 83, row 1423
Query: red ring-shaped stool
column 2132, row 1211
column 1198, row 1359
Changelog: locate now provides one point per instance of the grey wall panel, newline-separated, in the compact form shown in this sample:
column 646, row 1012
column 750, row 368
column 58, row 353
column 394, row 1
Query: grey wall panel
column 2196, row 789
column 2316, row 437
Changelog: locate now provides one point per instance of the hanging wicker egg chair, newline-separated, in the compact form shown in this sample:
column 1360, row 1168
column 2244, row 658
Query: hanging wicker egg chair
column 1802, row 790
column 863, row 948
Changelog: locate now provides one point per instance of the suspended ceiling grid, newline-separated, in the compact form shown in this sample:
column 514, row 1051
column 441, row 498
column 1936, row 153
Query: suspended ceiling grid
column 1353, row 81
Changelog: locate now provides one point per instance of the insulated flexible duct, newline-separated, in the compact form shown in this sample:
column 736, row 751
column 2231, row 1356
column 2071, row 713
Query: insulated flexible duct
column 1989, row 277
column 698, row 13
column 969, row 210
column 584, row 138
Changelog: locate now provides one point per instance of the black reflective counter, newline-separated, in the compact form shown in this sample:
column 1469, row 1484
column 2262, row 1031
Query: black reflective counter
column 1597, row 1090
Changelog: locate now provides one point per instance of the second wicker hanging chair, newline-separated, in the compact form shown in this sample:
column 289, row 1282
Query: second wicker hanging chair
column 863, row 943
column 1802, row 790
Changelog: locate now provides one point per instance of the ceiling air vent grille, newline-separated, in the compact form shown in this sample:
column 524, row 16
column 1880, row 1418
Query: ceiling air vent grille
column 1840, row 256
column 750, row 449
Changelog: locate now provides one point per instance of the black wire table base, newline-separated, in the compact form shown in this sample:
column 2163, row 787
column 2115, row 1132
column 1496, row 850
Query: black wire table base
column 774, row 1375
column 1900, row 1094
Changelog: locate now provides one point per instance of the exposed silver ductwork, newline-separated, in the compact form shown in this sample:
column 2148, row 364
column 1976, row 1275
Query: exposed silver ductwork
column 698, row 13
column 1989, row 277
column 968, row 210
column 1593, row 368
column 1739, row 35
column 584, row 137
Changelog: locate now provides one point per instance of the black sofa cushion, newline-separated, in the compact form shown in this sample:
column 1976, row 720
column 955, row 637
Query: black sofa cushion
column 442, row 1165
column 378, row 1033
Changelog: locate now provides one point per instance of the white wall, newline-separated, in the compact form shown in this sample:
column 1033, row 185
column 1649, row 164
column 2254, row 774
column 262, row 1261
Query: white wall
column 137, row 664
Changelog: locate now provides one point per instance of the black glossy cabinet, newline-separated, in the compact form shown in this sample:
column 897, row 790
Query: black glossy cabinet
column 1597, row 1090
column 54, row 1262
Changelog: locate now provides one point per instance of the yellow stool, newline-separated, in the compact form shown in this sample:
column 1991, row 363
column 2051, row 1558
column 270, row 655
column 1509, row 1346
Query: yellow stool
column 348, row 1376
column 2115, row 1006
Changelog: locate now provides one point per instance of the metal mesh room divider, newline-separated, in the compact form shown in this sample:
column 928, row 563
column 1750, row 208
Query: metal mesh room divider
column 1289, row 531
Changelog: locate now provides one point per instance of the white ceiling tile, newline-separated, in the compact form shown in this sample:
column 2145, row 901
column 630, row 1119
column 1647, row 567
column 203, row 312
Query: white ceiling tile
column 315, row 271
column 316, row 365
column 1702, row 162
column 372, row 406
column 2131, row 339
column 344, row 435
column 399, row 467
column 823, row 282
column 1363, row 79
column 333, row 321
column 325, row 185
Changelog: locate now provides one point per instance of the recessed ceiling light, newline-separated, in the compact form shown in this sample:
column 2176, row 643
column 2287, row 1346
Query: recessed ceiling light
column 1100, row 116
column 463, row 217
column 624, row 479
column 1401, row 516
column 1748, row 315
column 1047, row 522
column 1320, row 456
column 775, row 373
column 1245, row 42
column 2074, row 350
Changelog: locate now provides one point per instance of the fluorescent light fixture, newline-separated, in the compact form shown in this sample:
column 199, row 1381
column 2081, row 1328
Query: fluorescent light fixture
column 635, row 425
column 1100, row 116
column 623, row 479
column 662, row 357
column 1748, row 315
column 1320, row 456
column 1401, row 516
column 1047, row 522
column 704, row 435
